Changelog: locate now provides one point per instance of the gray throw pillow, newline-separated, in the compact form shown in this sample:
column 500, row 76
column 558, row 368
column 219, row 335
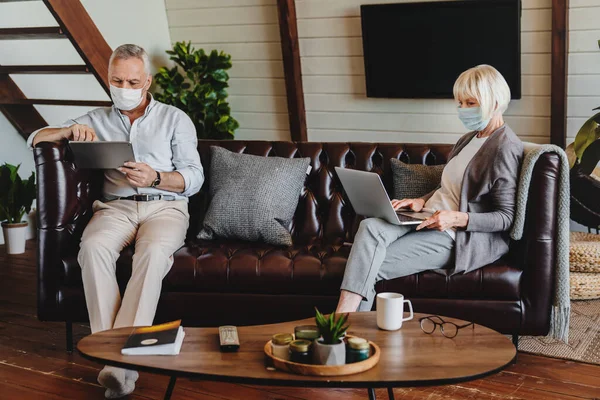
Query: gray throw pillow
column 253, row 198
column 414, row 180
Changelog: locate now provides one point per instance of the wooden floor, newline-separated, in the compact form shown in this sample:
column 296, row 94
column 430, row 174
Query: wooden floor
column 34, row 364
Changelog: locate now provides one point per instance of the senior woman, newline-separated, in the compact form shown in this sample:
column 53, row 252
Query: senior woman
column 474, row 203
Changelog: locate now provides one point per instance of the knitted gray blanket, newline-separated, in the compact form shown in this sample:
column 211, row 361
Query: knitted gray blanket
column 561, row 308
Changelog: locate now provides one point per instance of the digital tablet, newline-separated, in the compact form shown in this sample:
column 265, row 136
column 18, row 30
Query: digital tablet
column 101, row 155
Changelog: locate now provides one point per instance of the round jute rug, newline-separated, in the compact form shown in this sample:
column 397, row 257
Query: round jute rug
column 584, row 336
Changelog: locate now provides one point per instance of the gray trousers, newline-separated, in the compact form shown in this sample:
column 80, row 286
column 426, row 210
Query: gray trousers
column 383, row 251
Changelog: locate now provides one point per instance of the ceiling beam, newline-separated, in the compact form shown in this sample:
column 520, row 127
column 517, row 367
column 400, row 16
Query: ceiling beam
column 24, row 117
column 290, row 49
column 560, row 60
column 44, row 69
column 50, row 32
column 55, row 102
column 84, row 35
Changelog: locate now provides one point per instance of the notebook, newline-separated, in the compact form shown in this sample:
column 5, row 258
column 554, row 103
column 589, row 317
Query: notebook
column 164, row 339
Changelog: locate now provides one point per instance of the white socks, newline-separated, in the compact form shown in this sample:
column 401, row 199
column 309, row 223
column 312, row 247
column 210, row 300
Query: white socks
column 118, row 382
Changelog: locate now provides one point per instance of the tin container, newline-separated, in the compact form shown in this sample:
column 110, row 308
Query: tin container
column 357, row 349
column 280, row 343
column 307, row 332
column 300, row 352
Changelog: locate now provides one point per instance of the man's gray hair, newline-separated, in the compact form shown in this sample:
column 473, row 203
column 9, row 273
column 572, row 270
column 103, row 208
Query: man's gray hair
column 127, row 51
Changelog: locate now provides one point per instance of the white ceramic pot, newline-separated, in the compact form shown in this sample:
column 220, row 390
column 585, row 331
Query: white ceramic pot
column 329, row 354
column 14, row 237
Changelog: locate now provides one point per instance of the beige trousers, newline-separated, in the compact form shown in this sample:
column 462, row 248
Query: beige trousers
column 158, row 229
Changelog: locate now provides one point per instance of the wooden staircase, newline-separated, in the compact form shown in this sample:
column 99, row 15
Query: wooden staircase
column 76, row 26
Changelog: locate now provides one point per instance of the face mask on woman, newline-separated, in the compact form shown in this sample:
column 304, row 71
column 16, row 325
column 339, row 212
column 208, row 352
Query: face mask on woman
column 126, row 99
column 472, row 119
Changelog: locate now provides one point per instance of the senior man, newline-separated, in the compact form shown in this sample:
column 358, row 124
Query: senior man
column 145, row 202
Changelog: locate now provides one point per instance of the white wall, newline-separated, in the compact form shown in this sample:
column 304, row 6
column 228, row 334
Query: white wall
column 249, row 31
column 334, row 82
column 143, row 22
column 584, row 64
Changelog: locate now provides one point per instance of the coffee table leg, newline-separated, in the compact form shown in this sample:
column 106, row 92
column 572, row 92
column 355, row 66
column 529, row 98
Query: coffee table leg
column 391, row 393
column 170, row 388
column 372, row 395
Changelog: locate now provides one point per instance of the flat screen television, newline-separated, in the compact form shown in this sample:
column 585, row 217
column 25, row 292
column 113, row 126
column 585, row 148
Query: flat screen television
column 417, row 50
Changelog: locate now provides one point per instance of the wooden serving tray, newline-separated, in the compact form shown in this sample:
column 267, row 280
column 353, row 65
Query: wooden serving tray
column 324, row 370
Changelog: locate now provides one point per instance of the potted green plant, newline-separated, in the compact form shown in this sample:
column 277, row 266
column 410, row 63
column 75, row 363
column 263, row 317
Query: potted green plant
column 586, row 147
column 200, row 91
column 16, row 197
column 330, row 349
column 584, row 155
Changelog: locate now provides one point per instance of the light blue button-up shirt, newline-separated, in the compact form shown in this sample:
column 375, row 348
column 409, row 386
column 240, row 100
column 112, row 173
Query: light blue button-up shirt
column 164, row 138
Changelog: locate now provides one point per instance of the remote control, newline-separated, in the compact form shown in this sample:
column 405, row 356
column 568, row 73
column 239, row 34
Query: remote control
column 228, row 338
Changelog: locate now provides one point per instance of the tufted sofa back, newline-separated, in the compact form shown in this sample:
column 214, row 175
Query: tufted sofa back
column 512, row 295
column 323, row 214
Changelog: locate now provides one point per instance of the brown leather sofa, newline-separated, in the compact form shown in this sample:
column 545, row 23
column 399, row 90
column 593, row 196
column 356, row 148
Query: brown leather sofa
column 232, row 282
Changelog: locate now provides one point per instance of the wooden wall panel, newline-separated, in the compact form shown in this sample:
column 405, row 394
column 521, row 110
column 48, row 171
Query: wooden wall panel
column 583, row 90
column 249, row 31
column 288, row 29
column 334, row 82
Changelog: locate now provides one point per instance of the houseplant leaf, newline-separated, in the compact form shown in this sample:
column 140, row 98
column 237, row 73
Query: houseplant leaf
column 331, row 328
column 590, row 158
column 16, row 196
column 197, row 86
column 587, row 134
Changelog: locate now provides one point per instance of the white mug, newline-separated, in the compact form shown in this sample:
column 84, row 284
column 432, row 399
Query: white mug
column 390, row 311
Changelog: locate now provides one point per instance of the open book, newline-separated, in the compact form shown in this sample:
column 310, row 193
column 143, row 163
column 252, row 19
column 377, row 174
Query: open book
column 164, row 339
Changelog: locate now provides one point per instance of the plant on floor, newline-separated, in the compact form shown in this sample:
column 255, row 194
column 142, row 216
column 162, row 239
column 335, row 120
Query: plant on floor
column 586, row 139
column 16, row 195
column 331, row 329
column 201, row 93
column 586, row 145
column 585, row 176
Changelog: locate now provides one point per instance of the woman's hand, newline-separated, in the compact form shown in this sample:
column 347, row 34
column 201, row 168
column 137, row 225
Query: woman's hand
column 414, row 204
column 444, row 220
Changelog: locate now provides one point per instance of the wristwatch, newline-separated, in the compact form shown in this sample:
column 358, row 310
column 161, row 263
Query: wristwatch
column 156, row 181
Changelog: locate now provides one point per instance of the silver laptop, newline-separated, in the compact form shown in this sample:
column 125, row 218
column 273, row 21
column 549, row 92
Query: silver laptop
column 369, row 198
column 101, row 155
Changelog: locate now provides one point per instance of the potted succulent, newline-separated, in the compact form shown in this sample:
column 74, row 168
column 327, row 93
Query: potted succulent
column 16, row 197
column 330, row 349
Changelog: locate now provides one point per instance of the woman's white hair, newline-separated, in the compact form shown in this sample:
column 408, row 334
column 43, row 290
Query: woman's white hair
column 127, row 51
column 486, row 85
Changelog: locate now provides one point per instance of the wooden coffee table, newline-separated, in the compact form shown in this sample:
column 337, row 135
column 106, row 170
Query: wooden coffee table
column 409, row 357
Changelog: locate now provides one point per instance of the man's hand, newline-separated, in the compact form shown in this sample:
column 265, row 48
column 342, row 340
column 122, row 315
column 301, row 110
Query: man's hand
column 76, row 132
column 138, row 174
column 81, row 133
column 414, row 204
column 444, row 220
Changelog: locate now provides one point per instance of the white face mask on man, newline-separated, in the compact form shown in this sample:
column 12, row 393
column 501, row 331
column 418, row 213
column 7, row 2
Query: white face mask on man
column 126, row 99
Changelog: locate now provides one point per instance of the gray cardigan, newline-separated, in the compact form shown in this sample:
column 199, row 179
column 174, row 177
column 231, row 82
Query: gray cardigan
column 488, row 195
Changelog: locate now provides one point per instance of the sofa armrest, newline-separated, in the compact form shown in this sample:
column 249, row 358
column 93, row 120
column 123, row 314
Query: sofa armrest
column 536, row 252
column 64, row 207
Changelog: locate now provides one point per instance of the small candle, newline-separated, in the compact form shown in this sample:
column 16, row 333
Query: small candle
column 300, row 351
column 307, row 332
column 357, row 349
column 280, row 343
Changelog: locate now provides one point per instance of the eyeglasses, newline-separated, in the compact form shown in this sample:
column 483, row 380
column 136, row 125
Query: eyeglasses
column 449, row 329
